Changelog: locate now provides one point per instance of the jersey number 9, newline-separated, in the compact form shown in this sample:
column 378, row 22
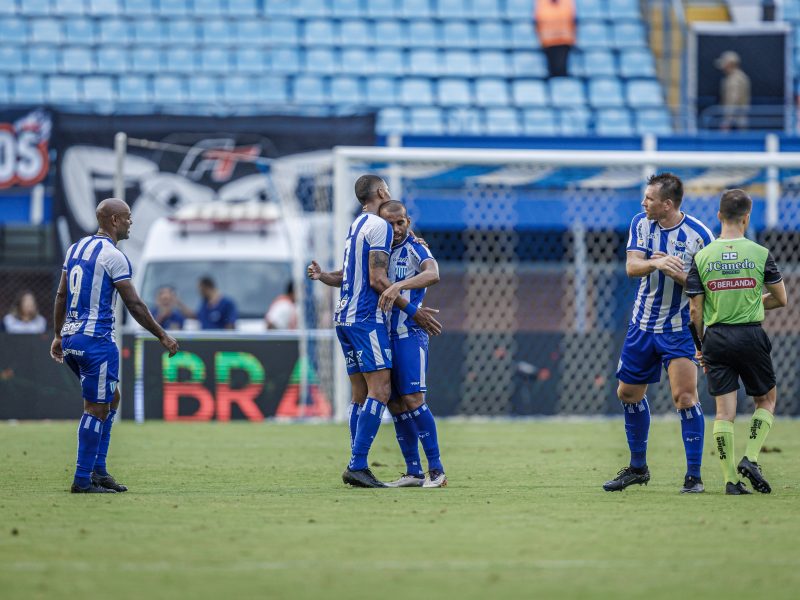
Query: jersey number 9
column 75, row 277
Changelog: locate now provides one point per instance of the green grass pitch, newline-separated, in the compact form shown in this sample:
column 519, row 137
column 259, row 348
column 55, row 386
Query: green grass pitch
column 243, row 510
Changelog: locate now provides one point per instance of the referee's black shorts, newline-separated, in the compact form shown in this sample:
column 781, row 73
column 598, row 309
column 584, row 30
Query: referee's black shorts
column 734, row 351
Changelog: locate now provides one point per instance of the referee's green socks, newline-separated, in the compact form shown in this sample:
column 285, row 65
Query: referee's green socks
column 760, row 425
column 723, row 437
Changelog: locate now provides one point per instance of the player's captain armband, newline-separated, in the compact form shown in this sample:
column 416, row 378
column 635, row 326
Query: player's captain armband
column 410, row 309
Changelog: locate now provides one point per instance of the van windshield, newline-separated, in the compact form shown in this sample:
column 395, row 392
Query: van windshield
column 252, row 285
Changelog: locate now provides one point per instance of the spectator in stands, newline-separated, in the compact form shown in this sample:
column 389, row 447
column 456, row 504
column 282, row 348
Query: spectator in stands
column 555, row 25
column 216, row 311
column 166, row 311
column 282, row 313
column 24, row 316
column 734, row 92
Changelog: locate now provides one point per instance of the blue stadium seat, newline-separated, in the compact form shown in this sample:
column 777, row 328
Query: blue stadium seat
column 644, row 93
column 463, row 121
column 319, row 33
column 104, row 8
column 346, row 91
column 253, row 32
column 98, row 89
column 624, row 9
column 68, row 7
column 657, row 121
column 136, row 8
column 416, row 92
column 416, row 9
column 273, row 90
column 63, row 89
column 11, row 59
column 390, row 33
column 593, row 34
column 43, row 59
column 575, row 64
column 458, row 62
column 426, row 121
column 208, row 8
column 145, row 59
column 502, row 121
column 147, row 31
column 492, row 34
column 216, row 32
column 214, row 60
column 310, row 8
column 381, row 9
column 567, row 91
column 111, row 31
column 77, row 59
column 5, row 94
column 637, row 63
column 529, row 92
column 457, row 34
column 519, row 9
column 590, row 9
column 172, row 8
column 629, row 35
column 539, row 121
column 389, row 62
column 9, row 9
column 355, row 32
column 605, row 92
column 203, row 89
column 309, row 90
column 390, row 120
column 243, row 8
column 111, row 59
column 574, row 121
column 488, row 9
column 491, row 92
column 239, row 89
column 599, row 63
column 285, row 60
column 279, row 7
column 168, row 89
column 321, row 61
column 346, row 8
column 250, row 60
column 454, row 92
column 283, row 31
column 492, row 63
column 422, row 33
column 79, row 30
column 452, row 9
column 134, row 88
column 357, row 61
column 523, row 35
column 181, row 59
column 34, row 8
column 613, row 121
column 424, row 62
column 528, row 64
column 182, row 31
column 28, row 89
column 44, row 31
column 381, row 91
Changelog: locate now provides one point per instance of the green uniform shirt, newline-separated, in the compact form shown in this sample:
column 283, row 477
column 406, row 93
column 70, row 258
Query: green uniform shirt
column 732, row 274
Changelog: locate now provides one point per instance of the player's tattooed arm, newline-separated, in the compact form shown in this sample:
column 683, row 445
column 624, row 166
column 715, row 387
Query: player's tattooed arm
column 59, row 314
column 141, row 313
column 428, row 276
column 379, row 271
column 331, row 278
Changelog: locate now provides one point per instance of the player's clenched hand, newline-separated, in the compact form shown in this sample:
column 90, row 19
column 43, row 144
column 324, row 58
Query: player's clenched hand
column 425, row 319
column 667, row 264
column 419, row 240
column 56, row 351
column 389, row 295
column 699, row 357
column 170, row 343
column 314, row 271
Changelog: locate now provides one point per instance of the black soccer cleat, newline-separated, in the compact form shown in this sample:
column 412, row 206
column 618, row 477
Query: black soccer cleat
column 736, row 489
column 108, row 482
column 752, row 471
column 692, row 485
column 627, row 476
column 361, row 478
column 91, row 489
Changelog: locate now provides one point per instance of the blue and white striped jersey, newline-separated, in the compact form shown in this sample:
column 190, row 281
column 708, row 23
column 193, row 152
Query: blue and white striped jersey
column 405, row 261
column 358, row 302
column 93, row 265
column 661, row 304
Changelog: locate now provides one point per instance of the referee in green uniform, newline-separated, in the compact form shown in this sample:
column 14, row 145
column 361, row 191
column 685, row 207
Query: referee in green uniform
column 725, row 285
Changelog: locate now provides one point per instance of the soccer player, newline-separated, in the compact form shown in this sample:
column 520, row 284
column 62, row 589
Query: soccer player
column 361, row 325
column 660, row 248
column 412, row 269
column 725, row 286
column 94, row 271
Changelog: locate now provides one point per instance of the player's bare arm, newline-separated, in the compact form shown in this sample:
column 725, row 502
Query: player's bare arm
column 59, row 314
column 140, row 312
column 331, row 278
column 427, row 277
column 775, row 296
column 637, row 265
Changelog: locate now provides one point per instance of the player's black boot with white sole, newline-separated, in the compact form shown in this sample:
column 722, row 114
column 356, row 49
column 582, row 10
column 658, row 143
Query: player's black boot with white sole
column 752, row 471
column 108, row 482
column 92, row 489
column 692, row 485
column 627, row 476
column 362, row 478
column 736, row 489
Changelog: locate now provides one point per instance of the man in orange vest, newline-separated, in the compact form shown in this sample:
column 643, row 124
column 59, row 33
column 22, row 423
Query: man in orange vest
column 555, row 25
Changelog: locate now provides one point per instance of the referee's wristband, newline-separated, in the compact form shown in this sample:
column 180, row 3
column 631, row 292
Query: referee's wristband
column 410, row 309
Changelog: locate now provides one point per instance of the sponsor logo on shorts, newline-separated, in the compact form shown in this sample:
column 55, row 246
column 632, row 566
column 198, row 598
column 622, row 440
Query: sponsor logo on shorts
column 75, row 352
column 735, row 283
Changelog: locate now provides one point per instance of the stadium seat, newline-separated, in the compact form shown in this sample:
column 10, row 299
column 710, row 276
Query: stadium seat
column 319, row 33
column 605, row 92
column 321, row 61
column 528, row 64
column 240, row 89
column 355, row 32
column 63, row 89
column 42, row 59
column 253, row 32
column 599, row 63
column 457, row 34
column 613, row 121
column 173, row 8
column 5, row 94
column 285, row 60
column 426, row 121
column 134, row 88
column 168, row 89
column 491, row 92
column 283, row 31
column 310, row 8
column 657, row 121
column 217, row 32
column 492, row 63
column 454, row 92
column 147, row 31
column 416, row 9
column 629, row 35
column 111, row 59
column 273, row 90
column 136, row 8
column 145, row 59
column 519, row 9
column 624, row 9
column 32, row 8
column 77, row 59
column 98, row 89
column 463, row 121
column 590, row 10
column 66, row 8
column 381, row 9
column 488, row 9
column 250, row 60
column 593, row 34
column 181, row 31
column 637, row 63
column 458, row 62
column 502, row 121
column 381, row 91
column 207, row 8
column 28, row 89
column 424, row 62
column 80, row 30
column 279, row 7
column 529, row 92
column 243, row 8
column 11, row 59
column 180, row 60
column 43, row 31
column 9, row 9
column 422, row 33
column 103, row 8
column 492, row 34
column 214, row 60
column 574, row 121
column 390, row 33
column 644, row 93
column 539, row 121
column 452, row 9
column 356, row 61
column 346, row 91
column 416, row 92
column 523, row 35
column 575, row 64
column 309, row 90
column 390, row 120
column 346, row 8
column 567, row 91
column 389, row 62
column 110, row 31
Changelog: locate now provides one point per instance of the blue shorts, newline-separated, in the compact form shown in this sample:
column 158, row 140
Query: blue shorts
column 644, row 352
column 96, row 363
column 410, row 363
column 366, row 347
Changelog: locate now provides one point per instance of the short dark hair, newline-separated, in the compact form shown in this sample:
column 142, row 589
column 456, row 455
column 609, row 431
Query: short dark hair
column 366, row 186
column 670, row 187
column 734, row 204
column 392, row 206
column 207, row 282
